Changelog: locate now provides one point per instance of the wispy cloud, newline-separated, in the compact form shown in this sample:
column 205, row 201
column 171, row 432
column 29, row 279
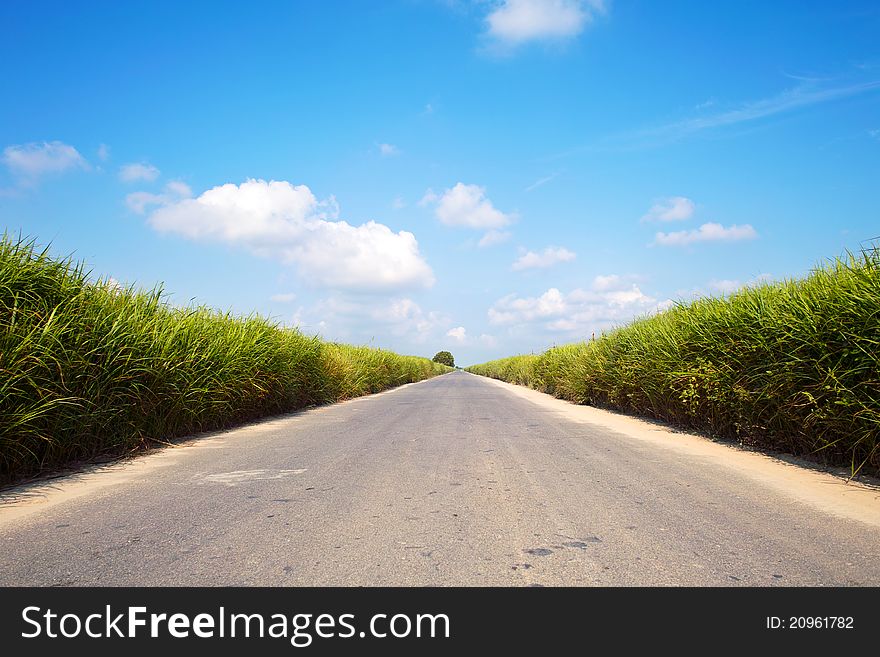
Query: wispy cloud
column 810, row 79
column 135, row 171
column 725, row 285
column 387, row 150
column 140, row 202
column 494, row 237
column 31, row 161
column 788, row 100
column 728, row 286
column 547, row 258
column 674, row 208
column 710, row 232
column 540, row 182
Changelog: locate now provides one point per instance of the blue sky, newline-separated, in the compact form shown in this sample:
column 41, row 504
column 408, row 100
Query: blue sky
column 488, row 177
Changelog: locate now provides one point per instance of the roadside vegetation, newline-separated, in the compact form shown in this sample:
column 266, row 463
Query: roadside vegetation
column 791, row 366
column 88, row 368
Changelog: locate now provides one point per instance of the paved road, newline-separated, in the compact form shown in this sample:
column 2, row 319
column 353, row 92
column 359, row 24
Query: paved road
column 453, row 481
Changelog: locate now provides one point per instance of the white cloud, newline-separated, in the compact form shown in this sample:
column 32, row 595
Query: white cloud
column 429, row 198
column 178, row 188
column 398, row 203
column 139, row 201
column 468, row 206
column 728, row 286
column 550, row 256
column 30, row 161
column 285, row 297
column 285, row 222
column 610, row 300
column 493, row 237
column 605, row 283
column 111, row 284
column 710, row 232
column 387, row 150
column 488, row 340
column 136, row 171
column 360, row 319
column 511, row 308
column 725, row 285
column 514, row 22
column 174, row 191
column 406, row 317
column 674, row 208
column 459, row 334
column 103, row 152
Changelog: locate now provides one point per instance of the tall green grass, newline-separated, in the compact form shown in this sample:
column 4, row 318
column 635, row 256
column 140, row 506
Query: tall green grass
column 87, row 368
column 791, row 366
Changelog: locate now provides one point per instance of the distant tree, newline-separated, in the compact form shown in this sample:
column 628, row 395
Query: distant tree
column 444, row 358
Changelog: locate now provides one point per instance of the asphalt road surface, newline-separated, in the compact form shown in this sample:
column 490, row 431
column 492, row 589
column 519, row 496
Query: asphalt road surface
column 454, row 481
